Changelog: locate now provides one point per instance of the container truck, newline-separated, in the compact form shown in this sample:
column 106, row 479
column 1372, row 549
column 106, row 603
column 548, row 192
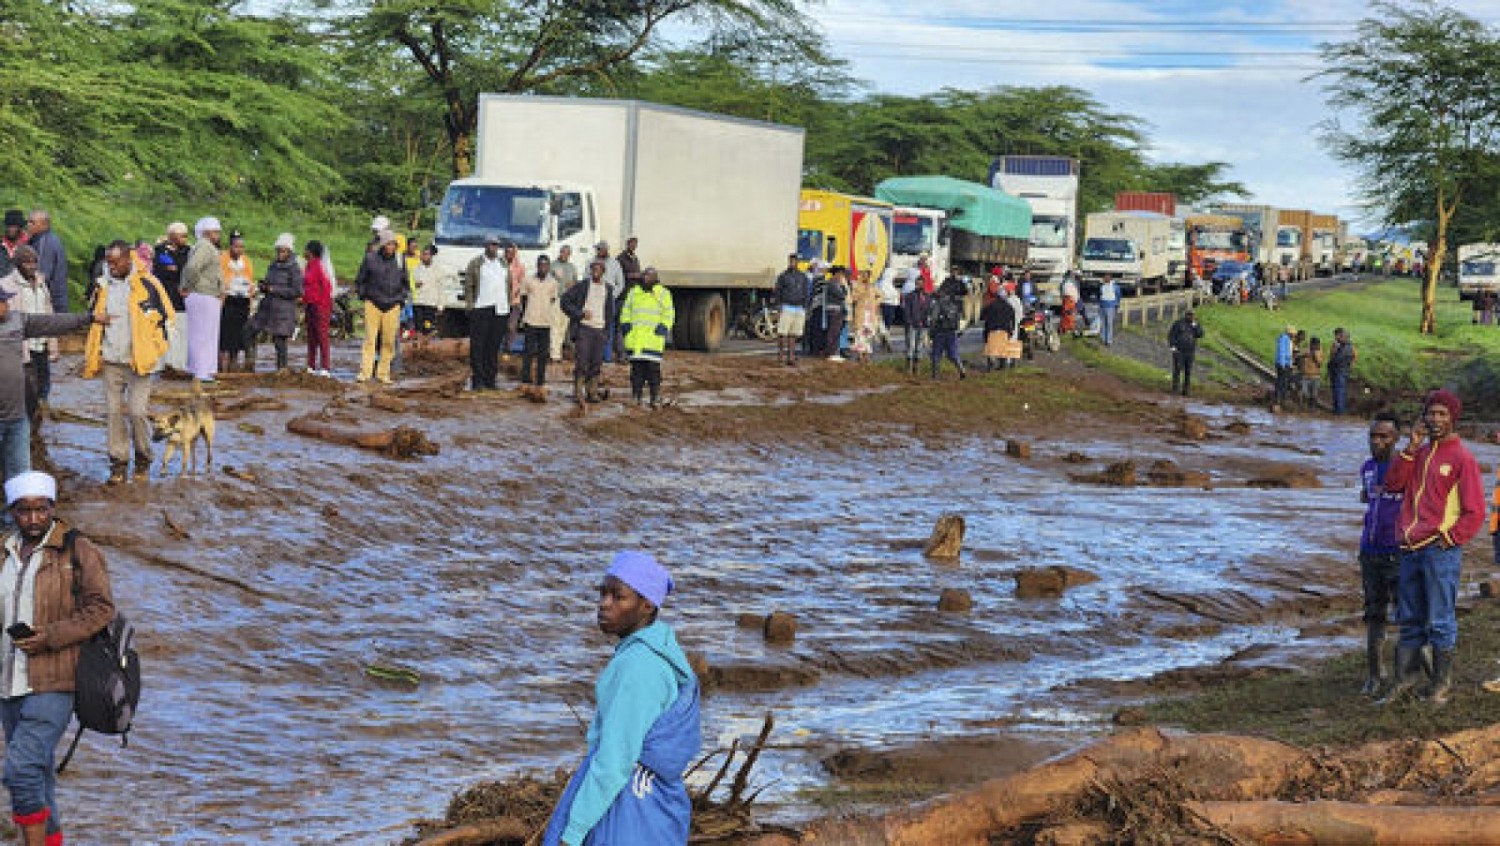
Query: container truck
column 1050, row 185
column 712, row 199
column 1293, row 243
column 1478, row 270
column 1161, row 202
column 1260, row 225
column 1213, row 238
column 981, row 227
column 915, row 231
column 1323, row 244
column 840, row 229
column 1129, row 247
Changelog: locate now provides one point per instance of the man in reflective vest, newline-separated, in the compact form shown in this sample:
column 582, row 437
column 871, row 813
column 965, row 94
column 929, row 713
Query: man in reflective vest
column 646, row 322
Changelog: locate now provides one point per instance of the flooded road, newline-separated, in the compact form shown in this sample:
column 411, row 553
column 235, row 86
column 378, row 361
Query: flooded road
column 477, row 569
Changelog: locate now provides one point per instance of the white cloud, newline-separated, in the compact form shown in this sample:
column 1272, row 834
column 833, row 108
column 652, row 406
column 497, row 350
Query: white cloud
column 1258, row 113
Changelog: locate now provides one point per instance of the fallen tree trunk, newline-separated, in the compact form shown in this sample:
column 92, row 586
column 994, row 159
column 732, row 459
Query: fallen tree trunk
column 438, row 348
column 480, row 833
column 400, row 442
column 1319, row 823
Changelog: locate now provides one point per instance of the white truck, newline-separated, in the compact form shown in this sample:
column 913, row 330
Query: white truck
column 1050, row 185
column 712, row 199
column 914, row 231
column 1261, row 223
column 1478, row 270
column 1130, row 247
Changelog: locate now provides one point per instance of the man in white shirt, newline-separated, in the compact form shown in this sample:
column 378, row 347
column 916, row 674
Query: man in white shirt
column 567, row 277
column 487, row 291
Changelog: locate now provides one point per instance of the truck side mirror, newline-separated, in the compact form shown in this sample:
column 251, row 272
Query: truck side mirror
column 943, row 234
column 831, row 249
column 1140, row 255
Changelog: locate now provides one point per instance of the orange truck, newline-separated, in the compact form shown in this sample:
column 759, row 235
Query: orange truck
column 1215, row 238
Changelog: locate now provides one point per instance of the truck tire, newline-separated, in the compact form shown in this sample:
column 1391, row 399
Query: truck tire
column 707, row 321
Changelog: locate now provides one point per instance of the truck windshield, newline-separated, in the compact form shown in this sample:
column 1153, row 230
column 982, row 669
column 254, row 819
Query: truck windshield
column 471, row 213
column 1288, row 237
column 1108, row 249
column 1208, row 239
column 1049, row 231
column 1477, row 268
column 911, row 235
column 809, row 244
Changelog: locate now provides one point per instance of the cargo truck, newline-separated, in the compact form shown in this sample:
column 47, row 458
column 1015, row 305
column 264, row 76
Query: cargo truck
column 712, row 199
column 981, row 227
column 1161, row 202
column 1293, row 249
column 1129, row 247
column 1214, row 238
column 1050, row 185
column 1323, row 245
column 840, row 229
column 1478, row 270
column 1260, row 225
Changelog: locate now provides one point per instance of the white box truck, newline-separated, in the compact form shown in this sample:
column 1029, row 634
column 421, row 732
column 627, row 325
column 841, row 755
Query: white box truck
column 1478, row 270
column 1050, row 185
column 712, row 199
column 1130, row 247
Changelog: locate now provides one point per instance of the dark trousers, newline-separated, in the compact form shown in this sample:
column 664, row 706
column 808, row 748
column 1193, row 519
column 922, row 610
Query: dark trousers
column 835, row 331
column 424, row 319
column 945, row 345
column 815, row 337
column 1182, row 371
column 1283, row 383
column 1338, row 385
column 487, row 331
column 538, row 349
column 38, row 383
column 642, row 373
column 588, row 352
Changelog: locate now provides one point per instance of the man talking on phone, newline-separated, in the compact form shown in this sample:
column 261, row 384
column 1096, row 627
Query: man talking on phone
column 1442, row 508
column 46, row 616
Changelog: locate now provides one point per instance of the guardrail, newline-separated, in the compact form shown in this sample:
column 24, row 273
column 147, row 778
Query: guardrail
column 1156, row 308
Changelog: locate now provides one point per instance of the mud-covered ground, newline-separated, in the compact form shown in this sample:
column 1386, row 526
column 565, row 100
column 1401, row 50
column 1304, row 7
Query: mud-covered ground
column 286, row 599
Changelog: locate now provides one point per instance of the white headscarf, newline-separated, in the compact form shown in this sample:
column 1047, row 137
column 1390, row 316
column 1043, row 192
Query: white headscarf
column 206, row 224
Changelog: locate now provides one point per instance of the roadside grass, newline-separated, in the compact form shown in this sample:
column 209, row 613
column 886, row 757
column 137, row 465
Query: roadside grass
column 1382, row 321
column 1094, row 355
column 1322, row 706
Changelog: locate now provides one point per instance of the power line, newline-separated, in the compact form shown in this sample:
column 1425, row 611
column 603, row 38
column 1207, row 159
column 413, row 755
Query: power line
column 1122, row 52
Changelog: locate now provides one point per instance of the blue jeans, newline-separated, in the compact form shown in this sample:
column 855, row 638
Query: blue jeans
column 15, row 446
column 1108, row 314
column 1338, row 383
column 1426, row 596
column 33, row 725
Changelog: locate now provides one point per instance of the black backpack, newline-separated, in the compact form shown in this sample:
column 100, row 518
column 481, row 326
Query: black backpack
column 946, row 314
column 108, row 683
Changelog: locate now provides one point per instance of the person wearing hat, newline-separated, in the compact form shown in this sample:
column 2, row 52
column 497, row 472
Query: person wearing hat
column 202, row 286
column 1442, row 508
column 15, row 236
column 17, row 327
column 382, row 284
column 487, row 291
column 380, row 223
column 645, row 730
column 1183, row 338
column 1286, row 357
column 277, row 315
column 646, row 320
column 53, row 258
column 126, row 346
column 54, row 582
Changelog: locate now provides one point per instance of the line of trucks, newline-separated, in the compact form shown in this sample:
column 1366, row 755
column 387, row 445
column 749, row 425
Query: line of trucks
column 717, row 204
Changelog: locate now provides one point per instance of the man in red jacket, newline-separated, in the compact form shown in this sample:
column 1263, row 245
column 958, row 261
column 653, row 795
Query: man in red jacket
column 1441, row 510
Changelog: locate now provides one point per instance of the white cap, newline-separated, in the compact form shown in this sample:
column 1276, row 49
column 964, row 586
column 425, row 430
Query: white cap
column 177, row 227
column 206, row 224
column 30, row 484
column 381, row 222
column 284, row 240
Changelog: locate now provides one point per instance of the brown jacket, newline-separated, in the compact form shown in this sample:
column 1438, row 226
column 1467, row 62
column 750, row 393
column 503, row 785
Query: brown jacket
column 55, row 616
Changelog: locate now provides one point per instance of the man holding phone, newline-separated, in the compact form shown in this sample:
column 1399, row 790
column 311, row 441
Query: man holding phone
column 1442, row 508
column 48, row 608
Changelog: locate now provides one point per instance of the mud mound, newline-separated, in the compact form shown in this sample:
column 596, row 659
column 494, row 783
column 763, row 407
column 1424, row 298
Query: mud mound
column 527, row 799
column 1121, row 474
column 283, row 379
column 1165, row 473
column 407, row 442
column 1043, row 582
column 1275, row 475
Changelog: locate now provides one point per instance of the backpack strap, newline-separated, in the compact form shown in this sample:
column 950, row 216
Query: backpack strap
column 72, row 747
column 70, row 546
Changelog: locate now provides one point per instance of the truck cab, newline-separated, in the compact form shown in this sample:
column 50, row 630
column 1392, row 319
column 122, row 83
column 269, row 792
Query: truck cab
column 915, row 231
column 1478, row 270
column 538, row 219
column 1288, row 249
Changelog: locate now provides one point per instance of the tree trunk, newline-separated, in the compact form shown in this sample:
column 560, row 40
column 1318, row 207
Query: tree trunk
column 1313, row 823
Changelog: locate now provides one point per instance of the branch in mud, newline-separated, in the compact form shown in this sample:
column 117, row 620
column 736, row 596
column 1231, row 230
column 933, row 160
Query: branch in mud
column 400, row 442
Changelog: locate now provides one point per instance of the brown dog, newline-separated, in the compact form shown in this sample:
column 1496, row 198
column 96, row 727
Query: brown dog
column 182, row 427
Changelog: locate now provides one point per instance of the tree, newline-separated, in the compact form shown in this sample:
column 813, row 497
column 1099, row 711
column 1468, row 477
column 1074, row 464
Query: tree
column 1424, row 85
column 1193, row 183
column 465, row 47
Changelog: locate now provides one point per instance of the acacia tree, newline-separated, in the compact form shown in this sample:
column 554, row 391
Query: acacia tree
column 1423, row 82
column 464, row 47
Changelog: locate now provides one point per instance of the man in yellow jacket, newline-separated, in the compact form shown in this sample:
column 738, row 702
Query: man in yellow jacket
column 646, row 322
column 127, row 346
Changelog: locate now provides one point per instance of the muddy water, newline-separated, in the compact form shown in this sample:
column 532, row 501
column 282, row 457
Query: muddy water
column 477, row 569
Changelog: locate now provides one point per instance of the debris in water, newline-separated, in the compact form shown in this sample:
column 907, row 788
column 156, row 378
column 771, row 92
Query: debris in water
column 947, row 538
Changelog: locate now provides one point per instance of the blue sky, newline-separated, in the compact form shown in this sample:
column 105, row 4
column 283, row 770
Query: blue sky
column 1217, row 80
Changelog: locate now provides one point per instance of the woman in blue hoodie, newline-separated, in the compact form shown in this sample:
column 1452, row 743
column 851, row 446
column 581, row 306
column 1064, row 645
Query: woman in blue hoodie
column 628, row 790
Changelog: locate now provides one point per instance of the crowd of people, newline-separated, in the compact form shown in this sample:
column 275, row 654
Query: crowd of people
column 1301, row 362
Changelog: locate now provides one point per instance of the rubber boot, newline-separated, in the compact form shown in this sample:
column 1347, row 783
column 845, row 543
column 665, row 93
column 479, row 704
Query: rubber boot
column 1408, row 673
column 1374, row 663
column 1442, row 676
column 591, row 389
